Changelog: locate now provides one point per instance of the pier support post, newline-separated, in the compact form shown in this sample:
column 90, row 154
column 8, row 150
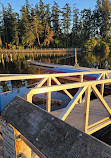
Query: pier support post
column 76, row 64
column 48, row 104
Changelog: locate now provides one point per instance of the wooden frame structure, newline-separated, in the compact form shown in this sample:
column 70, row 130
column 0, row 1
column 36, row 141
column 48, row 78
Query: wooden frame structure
column 86, row 87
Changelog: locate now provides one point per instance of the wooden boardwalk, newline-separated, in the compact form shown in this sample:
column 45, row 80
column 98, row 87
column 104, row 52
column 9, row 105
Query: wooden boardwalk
column 96, row 113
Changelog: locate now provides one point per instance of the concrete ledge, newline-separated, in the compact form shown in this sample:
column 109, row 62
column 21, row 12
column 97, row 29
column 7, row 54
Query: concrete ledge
column 53, row 137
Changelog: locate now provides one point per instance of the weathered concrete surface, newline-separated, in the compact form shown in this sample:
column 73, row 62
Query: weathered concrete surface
column 53, row 137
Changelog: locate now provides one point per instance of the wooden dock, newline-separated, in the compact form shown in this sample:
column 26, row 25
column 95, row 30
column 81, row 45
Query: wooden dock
column 96, row 113
column 52, row 65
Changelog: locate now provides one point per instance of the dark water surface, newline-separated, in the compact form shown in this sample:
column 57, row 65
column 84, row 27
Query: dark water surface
column 17, row 64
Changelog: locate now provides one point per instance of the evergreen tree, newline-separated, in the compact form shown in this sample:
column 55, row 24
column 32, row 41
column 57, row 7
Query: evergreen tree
column 86, row 23
column 76, row 30
column 42, row 12
column 66, row 18
column 55, row 20
column 10, row 25
column 102, row 15
column 48, row 15
column 1, row 24
column 26, row 27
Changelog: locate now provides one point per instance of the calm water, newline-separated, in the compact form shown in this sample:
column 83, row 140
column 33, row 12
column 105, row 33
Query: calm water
column 17, row 64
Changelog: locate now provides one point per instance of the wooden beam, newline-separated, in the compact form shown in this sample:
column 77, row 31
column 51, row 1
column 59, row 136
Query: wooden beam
column 66, row 91
column 107, row 75
column 100, row 97
column 98, row 78
column 98, row 122
column 28, row 96
column 32, row 76
column 102, row 85
column 72, row 103
column 99, row 126
column 48, row 104
column 81, row 80
column 86, row 109
column 34, row 149
column 67, row 86
column 42, row 81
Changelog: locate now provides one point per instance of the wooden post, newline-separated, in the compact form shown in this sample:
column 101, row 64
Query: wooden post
column 48, row 104
column 22, row 149
column 86, row 109
column 102, row 85
column 76, row 64
column 28, row 97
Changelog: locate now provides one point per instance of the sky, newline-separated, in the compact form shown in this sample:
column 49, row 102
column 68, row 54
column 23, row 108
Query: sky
column 80, row 4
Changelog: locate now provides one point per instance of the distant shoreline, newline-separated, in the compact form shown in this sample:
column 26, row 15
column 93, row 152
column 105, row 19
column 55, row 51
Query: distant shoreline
column 39, row 50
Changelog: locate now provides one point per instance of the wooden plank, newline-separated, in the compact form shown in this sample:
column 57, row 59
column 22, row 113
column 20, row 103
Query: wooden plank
column 72, row 103
column 100, row 97
column 94, row 124
column 102, row 85
column 57, row 82
column 86, row 109
column 96, row 111
column 99, row 126
column 34, row 149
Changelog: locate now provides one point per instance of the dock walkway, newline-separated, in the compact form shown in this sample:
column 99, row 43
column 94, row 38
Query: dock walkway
column 96, row 113
column 52, row 65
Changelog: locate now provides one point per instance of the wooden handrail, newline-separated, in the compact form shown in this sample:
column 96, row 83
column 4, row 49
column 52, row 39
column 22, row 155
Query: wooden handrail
column 5, row 77
column 53, row 88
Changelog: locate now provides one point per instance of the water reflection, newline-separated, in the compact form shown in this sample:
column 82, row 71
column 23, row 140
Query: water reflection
column 17, row 64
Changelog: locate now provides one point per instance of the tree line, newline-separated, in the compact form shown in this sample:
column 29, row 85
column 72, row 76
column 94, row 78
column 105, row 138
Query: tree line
column 45, row 26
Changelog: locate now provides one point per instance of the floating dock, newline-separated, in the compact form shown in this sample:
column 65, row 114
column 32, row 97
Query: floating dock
column 51, row 65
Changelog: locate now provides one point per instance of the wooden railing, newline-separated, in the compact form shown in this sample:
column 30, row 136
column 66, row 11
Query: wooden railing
column 44, row 86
